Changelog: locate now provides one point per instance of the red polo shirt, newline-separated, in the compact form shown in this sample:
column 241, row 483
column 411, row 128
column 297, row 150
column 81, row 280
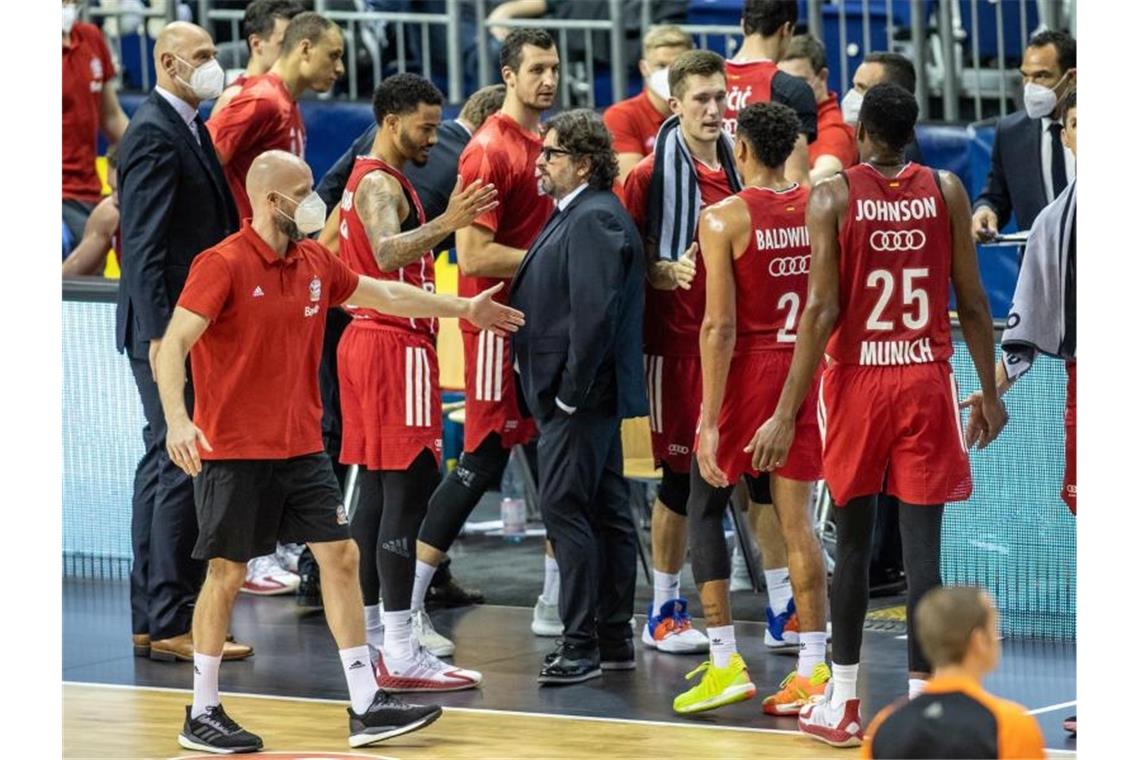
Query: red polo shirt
column 833, row 137
column 87, row 66
column 255, row 367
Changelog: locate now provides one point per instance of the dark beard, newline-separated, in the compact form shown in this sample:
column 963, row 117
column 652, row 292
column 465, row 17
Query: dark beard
column 409, row 148
column 289, row 229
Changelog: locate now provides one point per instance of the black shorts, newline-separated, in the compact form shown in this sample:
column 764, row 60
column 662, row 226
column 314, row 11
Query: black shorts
column 245, row 506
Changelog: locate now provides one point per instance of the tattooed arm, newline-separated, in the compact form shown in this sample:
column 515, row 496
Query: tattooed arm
column 382, row 206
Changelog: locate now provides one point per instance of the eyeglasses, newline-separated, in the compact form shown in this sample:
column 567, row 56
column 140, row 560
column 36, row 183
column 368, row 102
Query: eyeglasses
column 548, row 152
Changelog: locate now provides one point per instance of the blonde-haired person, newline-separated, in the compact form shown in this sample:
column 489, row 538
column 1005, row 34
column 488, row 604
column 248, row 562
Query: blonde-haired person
column 957, row 628
column 633, row 122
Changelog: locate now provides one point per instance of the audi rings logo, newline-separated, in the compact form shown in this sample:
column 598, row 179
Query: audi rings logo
column 788, row 266
column 900, row 240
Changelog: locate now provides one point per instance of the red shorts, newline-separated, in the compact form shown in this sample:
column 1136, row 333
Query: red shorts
column 755, row 381
column 898, row 424
column 674, row 384
column 1069, row 486
column 490, row 401
column 389, row 397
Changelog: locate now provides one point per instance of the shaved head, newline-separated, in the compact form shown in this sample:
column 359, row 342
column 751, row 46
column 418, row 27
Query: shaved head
column 276, row 183
column 278, row 171
column 186, row 42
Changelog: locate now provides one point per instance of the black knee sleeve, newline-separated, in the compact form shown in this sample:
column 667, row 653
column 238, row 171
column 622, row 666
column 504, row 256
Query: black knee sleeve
column 759, row 488
column 921, row 529
column 708, row 551
column 406, row 494
column 674, row 490
column 452, row 502
column 850, row 584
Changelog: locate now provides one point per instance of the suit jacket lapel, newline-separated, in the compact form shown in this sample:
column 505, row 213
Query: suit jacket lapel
column 552, row 224
column 199, row 151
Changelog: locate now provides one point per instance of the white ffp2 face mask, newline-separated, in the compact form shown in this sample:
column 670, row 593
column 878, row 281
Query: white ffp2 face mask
column 309, row 215
column 851, row 104
column 70, row 14
column 207, row 81
column 1039, row 100
column 659, row 83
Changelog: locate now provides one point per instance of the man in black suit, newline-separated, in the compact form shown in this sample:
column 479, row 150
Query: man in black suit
column 579, row 363
column 1029, row 165
column 174, row 203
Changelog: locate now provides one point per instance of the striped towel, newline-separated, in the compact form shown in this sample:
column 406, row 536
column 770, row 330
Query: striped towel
column 674, row 195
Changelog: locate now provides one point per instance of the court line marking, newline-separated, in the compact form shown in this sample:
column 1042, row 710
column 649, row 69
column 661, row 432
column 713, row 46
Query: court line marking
column 1051, row 708
column 520, row 713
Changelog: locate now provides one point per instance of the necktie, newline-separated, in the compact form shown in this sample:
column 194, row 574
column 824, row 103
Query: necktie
column 1058, row 160
column 196, row 127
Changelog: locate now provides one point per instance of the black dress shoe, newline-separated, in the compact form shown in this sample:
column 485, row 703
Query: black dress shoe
column 451, row 594
column 617, row 655
column 569, row 665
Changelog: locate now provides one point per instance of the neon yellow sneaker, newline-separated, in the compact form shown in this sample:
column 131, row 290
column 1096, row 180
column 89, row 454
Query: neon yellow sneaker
column 796, row 691
column 718, row 687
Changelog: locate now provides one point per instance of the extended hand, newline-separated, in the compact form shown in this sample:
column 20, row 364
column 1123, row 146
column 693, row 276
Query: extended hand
column 986, row 420
column 706, row 457
column 488, row 314
column 685, row 268
column 769, row 446
column 467, row 203
column 182, row 441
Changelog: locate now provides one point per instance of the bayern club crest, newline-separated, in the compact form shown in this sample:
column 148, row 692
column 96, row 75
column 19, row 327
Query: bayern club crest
column 315, row 289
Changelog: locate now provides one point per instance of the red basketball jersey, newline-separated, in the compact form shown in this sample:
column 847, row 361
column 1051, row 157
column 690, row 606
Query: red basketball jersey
column 772, row 273
column 749, row 82
column 356, row 250
column 894, row 270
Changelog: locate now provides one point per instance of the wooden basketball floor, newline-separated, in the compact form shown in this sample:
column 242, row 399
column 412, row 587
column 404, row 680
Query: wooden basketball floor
column 292, row 693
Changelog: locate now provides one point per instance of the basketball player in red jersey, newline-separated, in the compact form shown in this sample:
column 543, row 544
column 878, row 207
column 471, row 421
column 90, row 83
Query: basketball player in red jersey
column 691, row 167
column 389, row 375
column 887, row 238
column 754, row 77
column 264, row 115
column 502, row 153
column 755, row 250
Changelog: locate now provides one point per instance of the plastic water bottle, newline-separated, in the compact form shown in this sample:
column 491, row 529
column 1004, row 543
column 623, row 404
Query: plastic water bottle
column 514, row 505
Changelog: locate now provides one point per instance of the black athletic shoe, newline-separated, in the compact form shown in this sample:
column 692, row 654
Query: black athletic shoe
column 617, row 655
column 387, row 717
column 451, row 594
column 567, row 665
column 214, row 731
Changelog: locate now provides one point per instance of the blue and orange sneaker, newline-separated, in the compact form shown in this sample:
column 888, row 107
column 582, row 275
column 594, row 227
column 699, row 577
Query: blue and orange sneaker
column 783, row 630
column 671, row 630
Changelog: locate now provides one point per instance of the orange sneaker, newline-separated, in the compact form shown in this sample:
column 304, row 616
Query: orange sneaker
column 796, row 691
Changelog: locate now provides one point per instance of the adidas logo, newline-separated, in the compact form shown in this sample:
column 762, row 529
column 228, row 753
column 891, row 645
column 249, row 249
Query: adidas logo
column 258, row 292
column 397, row 546
column 356, row 665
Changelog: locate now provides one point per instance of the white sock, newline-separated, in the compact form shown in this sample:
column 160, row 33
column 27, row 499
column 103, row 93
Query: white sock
column 398, row 635
column 424, row 574
column 205, row 683
column 550, row 581
column 779, row 588
column 843, row 679
column 722, row 643
column 361, row 680
column 915, row 687
column 373, row 625
column 666, row 586
column 813, row 648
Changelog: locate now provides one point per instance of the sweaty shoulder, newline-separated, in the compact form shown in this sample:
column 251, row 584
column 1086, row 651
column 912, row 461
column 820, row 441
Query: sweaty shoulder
column 725, row 213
